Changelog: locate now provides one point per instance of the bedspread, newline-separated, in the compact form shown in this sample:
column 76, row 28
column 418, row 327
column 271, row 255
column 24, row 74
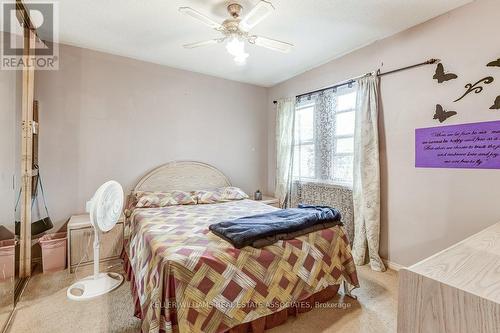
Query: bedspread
column 190, row 280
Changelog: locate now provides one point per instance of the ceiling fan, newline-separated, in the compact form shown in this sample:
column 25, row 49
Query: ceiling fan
column 235, row 30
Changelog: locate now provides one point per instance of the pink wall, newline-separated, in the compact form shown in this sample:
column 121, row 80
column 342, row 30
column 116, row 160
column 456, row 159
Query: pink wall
column 109, row 117
column 423, row 210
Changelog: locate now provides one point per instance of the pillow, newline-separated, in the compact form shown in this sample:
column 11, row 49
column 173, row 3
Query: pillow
column 207, row 197
column 163, row 199
column 222, row 194
column 232, row 193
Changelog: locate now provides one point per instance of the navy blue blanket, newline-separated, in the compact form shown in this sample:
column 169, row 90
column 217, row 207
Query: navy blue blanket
column 265, row 229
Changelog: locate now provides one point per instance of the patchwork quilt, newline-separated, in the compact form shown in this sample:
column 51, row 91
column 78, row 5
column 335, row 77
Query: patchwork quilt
column 190, row 280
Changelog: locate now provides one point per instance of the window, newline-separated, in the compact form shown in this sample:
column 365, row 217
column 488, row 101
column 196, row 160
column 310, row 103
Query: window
column 304, row 148
column 324, row 136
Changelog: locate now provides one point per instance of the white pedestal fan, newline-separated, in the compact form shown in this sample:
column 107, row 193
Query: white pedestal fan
column 105, row 209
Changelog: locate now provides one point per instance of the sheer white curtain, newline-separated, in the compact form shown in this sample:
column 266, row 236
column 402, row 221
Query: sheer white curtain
column 285, row 123
column 366, row 175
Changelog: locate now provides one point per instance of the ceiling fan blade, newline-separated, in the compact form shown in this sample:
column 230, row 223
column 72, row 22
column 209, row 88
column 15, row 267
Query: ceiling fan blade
column 256, row 15
column 273, row 44
column 203, row 43
column 200, row 17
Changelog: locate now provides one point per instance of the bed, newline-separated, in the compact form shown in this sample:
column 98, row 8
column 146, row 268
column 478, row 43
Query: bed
column 186, row 279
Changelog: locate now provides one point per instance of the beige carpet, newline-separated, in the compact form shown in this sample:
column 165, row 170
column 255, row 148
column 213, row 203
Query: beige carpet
column 44, row 308
column 374, row 311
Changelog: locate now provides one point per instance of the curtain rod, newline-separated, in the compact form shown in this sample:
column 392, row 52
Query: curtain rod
column 351, row 81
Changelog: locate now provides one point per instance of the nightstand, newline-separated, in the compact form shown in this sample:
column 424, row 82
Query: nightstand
column 81, row 242
column 269, row 201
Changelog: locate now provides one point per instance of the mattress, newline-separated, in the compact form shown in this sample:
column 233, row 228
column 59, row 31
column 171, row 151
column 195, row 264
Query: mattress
column 189, row 280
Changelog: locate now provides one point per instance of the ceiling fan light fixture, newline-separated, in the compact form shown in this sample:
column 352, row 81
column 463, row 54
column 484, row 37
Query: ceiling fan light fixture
column 235, row 46
column 241, row 59
column 235, row 30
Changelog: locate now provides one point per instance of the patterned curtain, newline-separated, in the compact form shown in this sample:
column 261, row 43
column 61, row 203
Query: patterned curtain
column 366, row 185
column 325, row 125
column 285, row 122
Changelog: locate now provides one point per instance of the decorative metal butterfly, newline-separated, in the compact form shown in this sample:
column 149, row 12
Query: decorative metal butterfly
column 440, row 75
column 495, row 63
column 442, row 114
column 496, row 104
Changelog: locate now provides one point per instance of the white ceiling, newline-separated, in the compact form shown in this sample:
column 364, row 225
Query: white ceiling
column 321, row 30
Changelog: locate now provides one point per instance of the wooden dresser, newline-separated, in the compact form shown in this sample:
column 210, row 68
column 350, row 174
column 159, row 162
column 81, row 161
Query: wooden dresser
column 81, row 242
column 454, row 291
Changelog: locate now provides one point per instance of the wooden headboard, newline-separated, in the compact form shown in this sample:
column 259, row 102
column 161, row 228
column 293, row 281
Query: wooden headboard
column 183, row 176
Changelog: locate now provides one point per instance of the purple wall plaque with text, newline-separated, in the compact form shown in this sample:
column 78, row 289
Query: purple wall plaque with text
column 475, row 146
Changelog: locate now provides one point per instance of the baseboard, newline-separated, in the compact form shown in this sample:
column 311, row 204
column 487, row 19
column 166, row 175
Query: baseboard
column 392, row 265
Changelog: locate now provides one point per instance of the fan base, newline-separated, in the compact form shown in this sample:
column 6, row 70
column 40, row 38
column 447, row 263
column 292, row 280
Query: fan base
column 234, row 9
column 90, row 287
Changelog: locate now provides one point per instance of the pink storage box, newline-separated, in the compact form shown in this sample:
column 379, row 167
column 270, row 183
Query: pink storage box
column 7, row 255
column 53, row 252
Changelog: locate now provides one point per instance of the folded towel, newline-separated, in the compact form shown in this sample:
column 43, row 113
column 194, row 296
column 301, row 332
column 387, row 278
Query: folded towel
column 265, row 229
